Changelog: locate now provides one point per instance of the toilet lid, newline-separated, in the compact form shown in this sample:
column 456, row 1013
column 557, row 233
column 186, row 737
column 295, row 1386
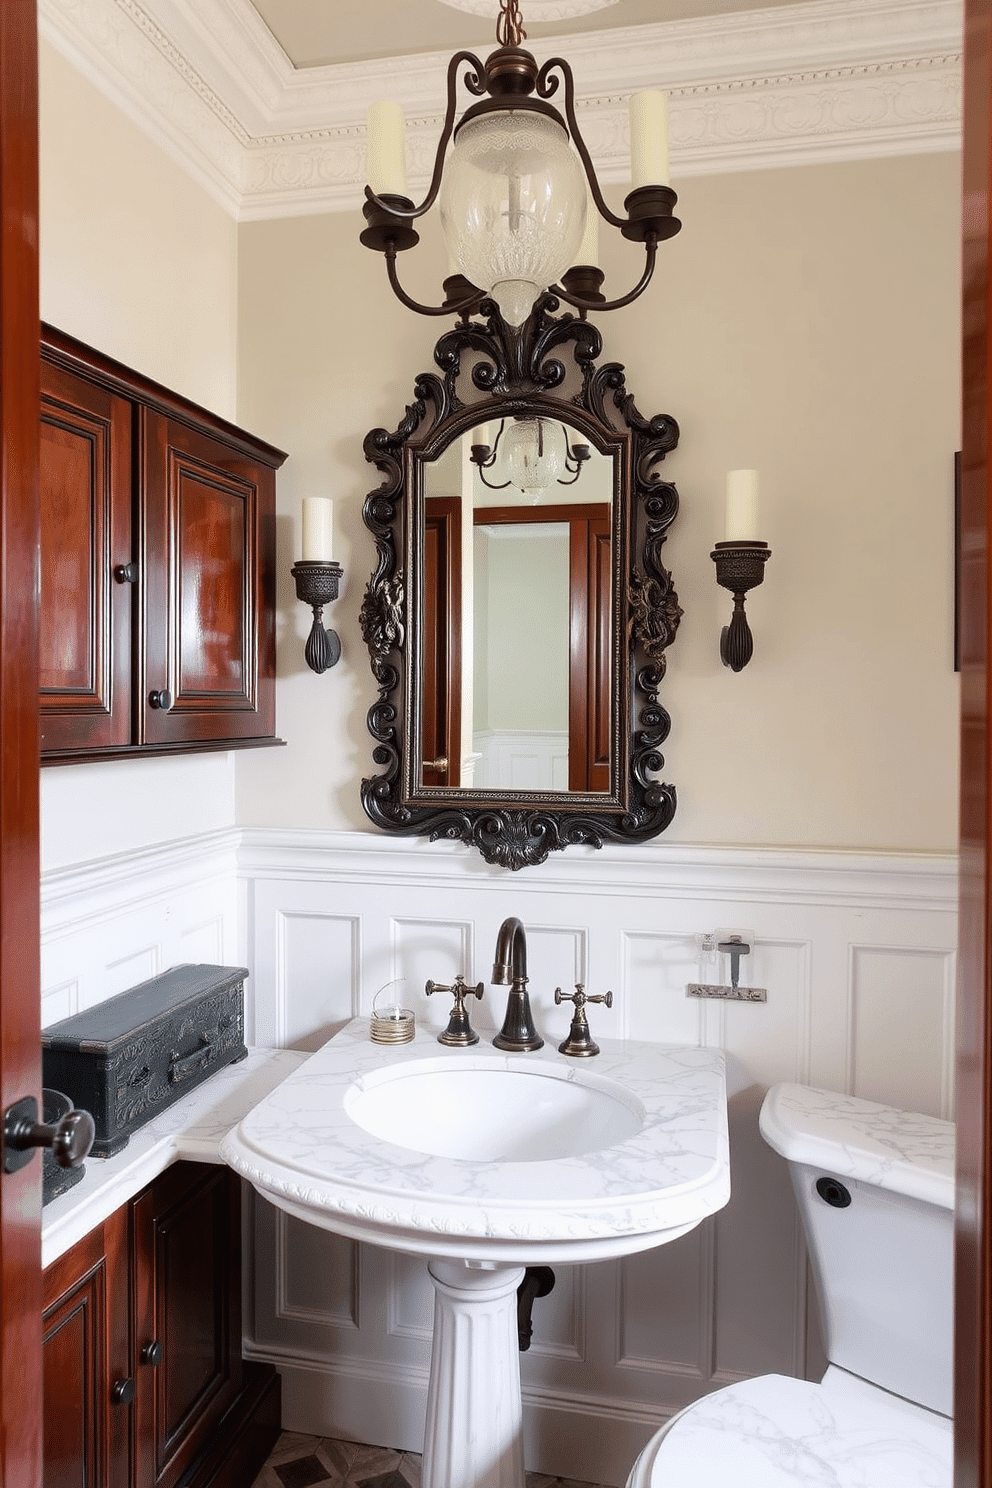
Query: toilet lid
column 776, row 1432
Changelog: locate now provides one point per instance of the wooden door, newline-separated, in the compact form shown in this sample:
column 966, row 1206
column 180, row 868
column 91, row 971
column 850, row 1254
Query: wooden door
column 973, row 1277
column 208, row 616
column 590, row 691
column 187, row 1293
column 88, row 1378
column 441, row 724
column 20, row 1045
column 87, row 589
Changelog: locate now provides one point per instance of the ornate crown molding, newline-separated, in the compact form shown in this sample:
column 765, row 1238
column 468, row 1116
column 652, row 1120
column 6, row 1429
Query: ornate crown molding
column 829, row 80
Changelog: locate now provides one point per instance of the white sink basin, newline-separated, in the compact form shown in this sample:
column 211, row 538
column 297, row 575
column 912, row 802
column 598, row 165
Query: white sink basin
column 492, row 1113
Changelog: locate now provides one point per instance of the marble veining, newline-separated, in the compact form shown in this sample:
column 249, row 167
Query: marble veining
column 901, row 1151
column 193, row 1129
column 776, row 1432
column 301, row 1148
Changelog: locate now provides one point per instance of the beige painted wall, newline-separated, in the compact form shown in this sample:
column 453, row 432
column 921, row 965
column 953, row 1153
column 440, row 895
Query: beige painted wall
column 136, row 260
column 805, row 322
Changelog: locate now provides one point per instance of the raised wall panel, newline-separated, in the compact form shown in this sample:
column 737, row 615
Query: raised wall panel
column 410, row 1304
column 901, row 1028
column 664, row 1310
column 317, row 1275
column 427, row 949
column 656, row 971
column 132, row 969
column 316, row 976
column 559, row 1318
column 204, row 942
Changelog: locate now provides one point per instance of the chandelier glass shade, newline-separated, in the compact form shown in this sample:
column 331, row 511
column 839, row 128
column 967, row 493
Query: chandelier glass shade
column 533, row 454
column 513, row 206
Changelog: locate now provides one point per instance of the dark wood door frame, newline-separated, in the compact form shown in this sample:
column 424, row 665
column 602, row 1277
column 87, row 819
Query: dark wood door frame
column 973, row 1274
column 20, row 1004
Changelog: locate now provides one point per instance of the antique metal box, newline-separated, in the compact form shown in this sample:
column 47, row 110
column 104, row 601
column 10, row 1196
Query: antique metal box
column 127, row 1059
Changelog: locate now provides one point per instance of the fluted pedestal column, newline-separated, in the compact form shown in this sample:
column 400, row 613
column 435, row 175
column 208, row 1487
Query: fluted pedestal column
column 474, row 1417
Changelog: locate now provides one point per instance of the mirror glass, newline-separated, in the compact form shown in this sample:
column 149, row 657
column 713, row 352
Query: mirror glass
column 517, row 527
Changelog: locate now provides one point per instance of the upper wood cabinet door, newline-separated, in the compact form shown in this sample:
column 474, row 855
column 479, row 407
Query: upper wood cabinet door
column 85, row 615
column 208, row 607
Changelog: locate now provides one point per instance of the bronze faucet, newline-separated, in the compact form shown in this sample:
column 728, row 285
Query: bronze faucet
column 518, row 1033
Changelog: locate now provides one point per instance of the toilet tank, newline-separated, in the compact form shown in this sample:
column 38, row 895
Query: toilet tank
column 876, row 1193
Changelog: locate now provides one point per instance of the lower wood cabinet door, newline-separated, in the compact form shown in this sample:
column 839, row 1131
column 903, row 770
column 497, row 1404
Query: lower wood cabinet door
column 86, row 1415
column 144, row 1384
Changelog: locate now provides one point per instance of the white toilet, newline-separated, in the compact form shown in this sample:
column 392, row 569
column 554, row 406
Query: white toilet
column 876, row 1192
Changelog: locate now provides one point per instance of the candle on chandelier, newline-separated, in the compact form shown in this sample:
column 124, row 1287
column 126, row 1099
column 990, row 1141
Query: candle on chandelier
column 386, row 135
column 648, row 114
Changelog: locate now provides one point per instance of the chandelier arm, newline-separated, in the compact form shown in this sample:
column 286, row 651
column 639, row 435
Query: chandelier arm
column 650, row 254
column 475, row 83
column 457, row 309
column 545, row 87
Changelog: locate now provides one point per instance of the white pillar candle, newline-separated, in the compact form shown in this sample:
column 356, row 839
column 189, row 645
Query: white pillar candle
column 386, row 137
column 318, row 518
column 742, row 506
column 648, row 114
column 588, row 254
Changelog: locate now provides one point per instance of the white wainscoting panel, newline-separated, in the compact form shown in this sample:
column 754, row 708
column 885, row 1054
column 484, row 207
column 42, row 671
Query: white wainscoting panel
column 857, row 955
column 113, row 922
column 856, row 952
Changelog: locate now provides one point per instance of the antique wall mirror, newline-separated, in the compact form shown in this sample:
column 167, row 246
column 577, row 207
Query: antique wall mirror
column 519, row 612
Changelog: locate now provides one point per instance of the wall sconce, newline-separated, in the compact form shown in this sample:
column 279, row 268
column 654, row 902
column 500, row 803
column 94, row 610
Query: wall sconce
column 317, row 577
column 740, row 564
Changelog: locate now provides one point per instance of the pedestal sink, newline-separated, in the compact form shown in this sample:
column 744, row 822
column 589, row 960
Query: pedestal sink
column 485, row 1163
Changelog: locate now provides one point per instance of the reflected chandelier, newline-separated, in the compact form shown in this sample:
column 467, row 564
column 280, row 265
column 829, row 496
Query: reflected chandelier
column 512, row 198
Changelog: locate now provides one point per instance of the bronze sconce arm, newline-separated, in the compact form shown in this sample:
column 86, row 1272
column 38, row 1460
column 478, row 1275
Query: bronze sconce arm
column 317, row 585
column 740, row 566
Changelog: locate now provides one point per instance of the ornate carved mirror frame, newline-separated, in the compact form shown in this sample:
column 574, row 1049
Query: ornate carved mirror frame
column 490, row 371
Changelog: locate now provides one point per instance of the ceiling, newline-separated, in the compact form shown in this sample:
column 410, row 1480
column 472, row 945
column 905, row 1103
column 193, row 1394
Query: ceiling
column 313, row 33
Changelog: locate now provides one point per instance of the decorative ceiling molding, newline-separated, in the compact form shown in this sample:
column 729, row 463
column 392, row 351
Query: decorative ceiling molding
column 539, row 11
column 829, row 80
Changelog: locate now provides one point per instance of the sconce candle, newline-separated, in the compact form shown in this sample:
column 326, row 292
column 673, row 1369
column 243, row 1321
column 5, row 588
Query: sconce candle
column 318, row 529
column 742, row 506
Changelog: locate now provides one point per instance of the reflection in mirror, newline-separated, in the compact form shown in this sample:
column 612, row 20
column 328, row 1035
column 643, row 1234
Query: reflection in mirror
column 515, row 665
column 519, row 613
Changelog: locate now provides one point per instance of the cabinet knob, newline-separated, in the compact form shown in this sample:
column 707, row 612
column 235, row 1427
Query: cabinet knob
column 122, row 1391
column 152, row 1353
column 126, row 573
column 161, row 699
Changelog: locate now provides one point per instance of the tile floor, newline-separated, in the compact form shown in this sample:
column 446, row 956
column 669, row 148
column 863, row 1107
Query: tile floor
column 318, row 1462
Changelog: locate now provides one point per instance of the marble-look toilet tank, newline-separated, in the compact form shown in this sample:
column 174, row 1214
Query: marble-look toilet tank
column 875, row 1189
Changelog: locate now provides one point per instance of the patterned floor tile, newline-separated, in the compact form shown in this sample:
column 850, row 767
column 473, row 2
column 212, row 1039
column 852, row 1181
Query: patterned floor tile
column 299, row 1461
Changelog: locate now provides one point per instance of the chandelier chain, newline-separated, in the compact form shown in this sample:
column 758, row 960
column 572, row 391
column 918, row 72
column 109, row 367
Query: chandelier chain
column 510, row 24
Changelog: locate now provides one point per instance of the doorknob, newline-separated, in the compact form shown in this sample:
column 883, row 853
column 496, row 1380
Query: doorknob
column 70, row 1138
column 441, row 763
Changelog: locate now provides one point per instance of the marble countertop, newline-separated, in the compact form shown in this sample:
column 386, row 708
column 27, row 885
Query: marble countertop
column 301, row 1149
column 901, row 1151
column 193, row 1128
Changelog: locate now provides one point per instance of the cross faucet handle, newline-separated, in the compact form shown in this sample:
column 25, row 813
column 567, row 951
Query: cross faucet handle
column 580, row 1041
column 580, row 997
column 459, row 1033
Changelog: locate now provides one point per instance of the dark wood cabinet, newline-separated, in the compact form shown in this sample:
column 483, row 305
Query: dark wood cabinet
column 157, row 567
column 144, row 1383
